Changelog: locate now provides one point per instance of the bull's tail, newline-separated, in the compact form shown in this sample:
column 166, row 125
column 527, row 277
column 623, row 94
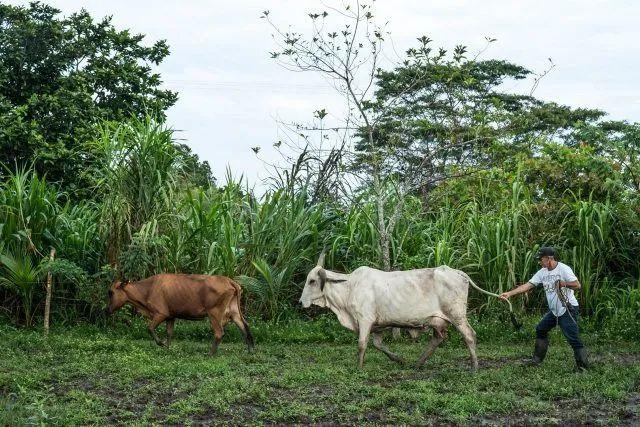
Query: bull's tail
column 517, row 325
column 240, row 320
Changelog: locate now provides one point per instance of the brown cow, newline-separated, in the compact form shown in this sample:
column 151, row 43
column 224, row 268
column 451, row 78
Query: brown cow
column 166, row 297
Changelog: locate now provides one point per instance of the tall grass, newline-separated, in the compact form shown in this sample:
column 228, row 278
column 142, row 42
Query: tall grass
column 589, row 241
column 28, row 211
column 148, row 218
column 140, row 179
column 499, row 248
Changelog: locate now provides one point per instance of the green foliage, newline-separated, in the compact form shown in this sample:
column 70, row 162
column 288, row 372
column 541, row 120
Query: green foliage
column 60, row 75
column 488, row 224
column 560, row 170
column 442, row 114
column 269, row 293
column 28, row 210
column 22, row 277
column 139, row 181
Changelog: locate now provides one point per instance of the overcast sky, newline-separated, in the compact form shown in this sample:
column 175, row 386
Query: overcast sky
column 231, row 93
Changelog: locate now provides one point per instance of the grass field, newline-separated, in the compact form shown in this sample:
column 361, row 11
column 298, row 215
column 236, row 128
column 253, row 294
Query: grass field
column 305, row 372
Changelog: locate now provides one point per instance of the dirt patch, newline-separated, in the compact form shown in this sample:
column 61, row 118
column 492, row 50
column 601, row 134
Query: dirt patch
column 497, row 363
column 571, row 412
column 239, row 414
column 632, row 409
column 626, row 359
column 124, row 403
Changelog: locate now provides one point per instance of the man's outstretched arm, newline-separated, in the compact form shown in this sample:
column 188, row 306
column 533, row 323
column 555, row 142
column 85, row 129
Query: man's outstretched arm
column 519, row 290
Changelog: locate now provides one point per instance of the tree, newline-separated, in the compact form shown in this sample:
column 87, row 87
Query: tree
column 451, row 115
column 619, row 141
column 198, row 173
column 349, row 57
column 59, row 76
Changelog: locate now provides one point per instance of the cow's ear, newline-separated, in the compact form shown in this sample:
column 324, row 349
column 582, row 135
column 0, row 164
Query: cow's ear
column 322, row 275
column 123, row 283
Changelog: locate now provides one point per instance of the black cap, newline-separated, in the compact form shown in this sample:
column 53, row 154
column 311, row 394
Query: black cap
column 545, row 251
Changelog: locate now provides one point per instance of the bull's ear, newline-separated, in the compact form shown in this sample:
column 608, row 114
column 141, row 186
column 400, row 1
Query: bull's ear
column 123, row 283
column 322, row 275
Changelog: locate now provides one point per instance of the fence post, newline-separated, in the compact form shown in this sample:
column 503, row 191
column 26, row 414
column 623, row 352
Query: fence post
column 47, row 303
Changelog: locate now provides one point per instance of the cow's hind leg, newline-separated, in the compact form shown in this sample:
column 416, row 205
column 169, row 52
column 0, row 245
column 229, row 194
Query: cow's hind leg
column 170, row 323
column 363, row 339
column 439, row 334
column 244, row 328
column 218, row 332
column 469, row 336
column 377, row 343
column 153, row 324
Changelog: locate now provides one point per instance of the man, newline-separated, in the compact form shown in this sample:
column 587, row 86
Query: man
column 559, row 284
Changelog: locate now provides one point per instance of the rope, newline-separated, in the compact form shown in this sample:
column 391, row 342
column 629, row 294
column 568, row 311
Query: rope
column 563, row 299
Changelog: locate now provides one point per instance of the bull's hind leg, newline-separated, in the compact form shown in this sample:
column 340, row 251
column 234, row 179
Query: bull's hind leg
column 377, row 343
column 469, row 336
column 153, row 324
column 439, row 334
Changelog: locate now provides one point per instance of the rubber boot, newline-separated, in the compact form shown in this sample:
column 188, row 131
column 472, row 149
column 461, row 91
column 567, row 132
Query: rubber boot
column 582, row 364
column 539, row 352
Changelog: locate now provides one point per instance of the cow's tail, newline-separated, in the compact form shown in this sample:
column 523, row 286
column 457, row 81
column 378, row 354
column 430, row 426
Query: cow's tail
column 240, row 320
column 517, row 325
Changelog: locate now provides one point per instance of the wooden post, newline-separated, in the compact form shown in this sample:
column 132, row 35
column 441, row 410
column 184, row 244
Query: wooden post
column 47, row 303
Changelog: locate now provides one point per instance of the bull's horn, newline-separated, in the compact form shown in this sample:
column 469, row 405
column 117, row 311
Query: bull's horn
column 321, row 259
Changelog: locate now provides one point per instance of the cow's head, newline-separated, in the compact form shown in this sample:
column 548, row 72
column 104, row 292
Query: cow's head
column 313, row 292
column 117, row 296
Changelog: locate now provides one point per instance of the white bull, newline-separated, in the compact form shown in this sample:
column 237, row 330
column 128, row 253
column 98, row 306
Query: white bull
column 369, row 301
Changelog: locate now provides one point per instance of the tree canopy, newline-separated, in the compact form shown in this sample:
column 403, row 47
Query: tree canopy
column 443, row 114
column 59, row 76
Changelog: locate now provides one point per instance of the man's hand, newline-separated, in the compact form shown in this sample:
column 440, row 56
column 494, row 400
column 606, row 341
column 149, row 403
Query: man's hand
column 517, row 291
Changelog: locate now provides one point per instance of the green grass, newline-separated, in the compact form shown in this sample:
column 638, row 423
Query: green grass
column 304, row 372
